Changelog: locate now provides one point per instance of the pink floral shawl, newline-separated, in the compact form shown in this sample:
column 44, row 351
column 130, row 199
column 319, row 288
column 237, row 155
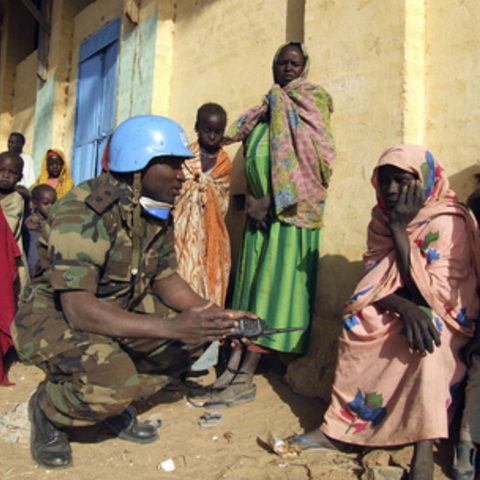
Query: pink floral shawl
column 445, row 262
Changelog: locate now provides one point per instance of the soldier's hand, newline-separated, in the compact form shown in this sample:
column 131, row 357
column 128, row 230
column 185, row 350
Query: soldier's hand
column 197, row 325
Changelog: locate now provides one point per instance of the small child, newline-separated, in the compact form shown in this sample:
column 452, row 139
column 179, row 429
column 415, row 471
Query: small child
column 202, row 244
column 466, row 450
column 12, row 202
column 55, row 172
column 43, row 197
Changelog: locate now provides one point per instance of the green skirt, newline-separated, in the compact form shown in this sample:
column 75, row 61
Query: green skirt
column 277, row 270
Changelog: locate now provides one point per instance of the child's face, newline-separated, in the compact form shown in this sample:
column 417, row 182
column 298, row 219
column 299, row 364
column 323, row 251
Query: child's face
column 54, row 166
column 47, row 199
column 10, row 173
column 210, row 132
column 15, row 144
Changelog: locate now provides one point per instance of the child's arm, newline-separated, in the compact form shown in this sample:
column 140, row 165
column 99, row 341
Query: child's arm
column 13, row 208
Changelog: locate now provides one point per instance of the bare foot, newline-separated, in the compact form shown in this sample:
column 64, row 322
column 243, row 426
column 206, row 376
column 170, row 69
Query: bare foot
column 422, row 462
column 227, row 377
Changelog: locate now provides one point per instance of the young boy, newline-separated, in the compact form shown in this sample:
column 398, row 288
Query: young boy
column 43, row 197
column 15, row 144
column 13, row 204
column 202, row 244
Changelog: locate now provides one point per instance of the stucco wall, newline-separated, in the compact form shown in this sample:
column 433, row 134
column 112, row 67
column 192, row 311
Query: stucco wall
column 452, row 83
column 15, row 46
column 403, row 72
column 408, row 73
column 137, row 69
column 24, row 100
column 223, row 54
column 357, row 50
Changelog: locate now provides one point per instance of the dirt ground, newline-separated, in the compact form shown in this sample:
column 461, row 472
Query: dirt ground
column 235, row 450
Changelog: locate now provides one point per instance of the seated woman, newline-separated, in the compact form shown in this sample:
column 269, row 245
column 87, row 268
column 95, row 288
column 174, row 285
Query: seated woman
column 399, row 354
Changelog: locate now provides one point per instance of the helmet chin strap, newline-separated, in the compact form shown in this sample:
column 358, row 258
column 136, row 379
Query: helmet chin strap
column 137, row 209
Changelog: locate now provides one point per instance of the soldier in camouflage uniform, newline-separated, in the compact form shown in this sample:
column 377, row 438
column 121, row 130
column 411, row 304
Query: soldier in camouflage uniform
column 106, row 316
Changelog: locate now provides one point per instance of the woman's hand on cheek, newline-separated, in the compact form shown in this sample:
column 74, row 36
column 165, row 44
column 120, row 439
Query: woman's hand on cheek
column 410, row 202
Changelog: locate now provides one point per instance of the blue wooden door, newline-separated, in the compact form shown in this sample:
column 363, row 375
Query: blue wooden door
column 96, row 93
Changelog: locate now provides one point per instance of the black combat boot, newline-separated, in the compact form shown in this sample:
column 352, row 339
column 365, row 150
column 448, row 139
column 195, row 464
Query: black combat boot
column 127, row 427
column 48, row 444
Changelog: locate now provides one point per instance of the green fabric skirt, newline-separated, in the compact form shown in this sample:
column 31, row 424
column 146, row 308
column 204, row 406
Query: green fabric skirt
column 277, row 270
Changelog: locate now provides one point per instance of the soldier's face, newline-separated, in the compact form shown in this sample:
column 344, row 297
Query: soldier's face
column 163, row 178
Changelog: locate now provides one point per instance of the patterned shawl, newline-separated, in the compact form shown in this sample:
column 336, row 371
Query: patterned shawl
column 65, row 181
column 301, row 145
column 202, row 244
column 444, row 263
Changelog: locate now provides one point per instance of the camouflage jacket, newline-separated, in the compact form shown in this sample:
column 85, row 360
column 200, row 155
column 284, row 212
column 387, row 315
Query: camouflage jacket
column 87, row 245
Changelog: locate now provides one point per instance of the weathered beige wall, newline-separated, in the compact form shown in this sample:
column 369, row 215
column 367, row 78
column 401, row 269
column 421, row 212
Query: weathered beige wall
column 357, row 50
column 17, row 39
column 408, row 73
column 164, row 47
column 223, row 54
column 452, row 86
column 24, row 100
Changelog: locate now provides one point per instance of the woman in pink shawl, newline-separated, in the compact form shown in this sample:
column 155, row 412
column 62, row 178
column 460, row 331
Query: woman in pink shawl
column 412, row 312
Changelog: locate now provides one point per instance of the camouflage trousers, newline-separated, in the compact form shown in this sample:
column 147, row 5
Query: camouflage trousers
column 98, row 377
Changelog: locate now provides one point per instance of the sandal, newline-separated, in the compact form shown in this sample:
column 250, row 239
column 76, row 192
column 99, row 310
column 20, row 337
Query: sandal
column 205, row 393
column 210, row 420
column 219, row 400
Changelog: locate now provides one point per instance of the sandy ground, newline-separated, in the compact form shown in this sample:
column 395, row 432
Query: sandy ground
column 234, row 450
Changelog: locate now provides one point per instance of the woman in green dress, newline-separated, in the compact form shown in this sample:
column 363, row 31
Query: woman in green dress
column 289, row 154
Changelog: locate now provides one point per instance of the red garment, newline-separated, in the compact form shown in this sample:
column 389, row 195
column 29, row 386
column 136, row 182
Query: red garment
column 9, row 252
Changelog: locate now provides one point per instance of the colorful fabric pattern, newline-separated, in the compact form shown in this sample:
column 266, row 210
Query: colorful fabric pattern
column 202, row 244
column 411, row 392
column 64, row 182
column 277, row 270
column 301, row 146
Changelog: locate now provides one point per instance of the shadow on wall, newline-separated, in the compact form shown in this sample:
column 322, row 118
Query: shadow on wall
column 235, row 218
column 465, row 182
column 312, row 375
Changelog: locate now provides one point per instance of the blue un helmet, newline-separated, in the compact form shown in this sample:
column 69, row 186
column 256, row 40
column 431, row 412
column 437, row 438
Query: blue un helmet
column 139, row 139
